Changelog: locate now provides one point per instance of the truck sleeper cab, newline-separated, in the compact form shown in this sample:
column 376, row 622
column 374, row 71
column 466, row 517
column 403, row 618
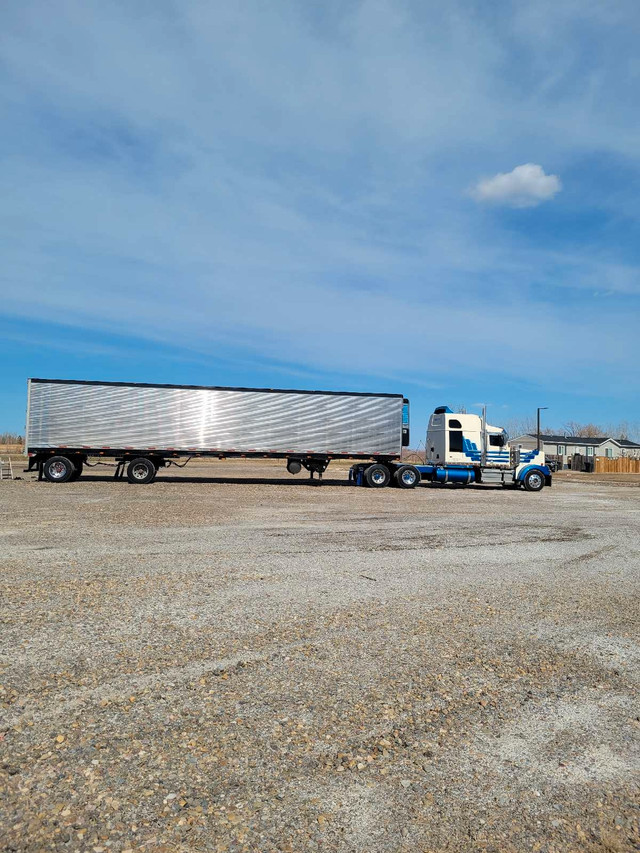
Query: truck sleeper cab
column 462, row 447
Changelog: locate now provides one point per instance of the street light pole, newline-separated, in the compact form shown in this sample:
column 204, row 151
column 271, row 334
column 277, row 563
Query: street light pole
column 540, row 408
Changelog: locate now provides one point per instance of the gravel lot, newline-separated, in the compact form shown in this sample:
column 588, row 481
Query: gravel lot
column 248, row 664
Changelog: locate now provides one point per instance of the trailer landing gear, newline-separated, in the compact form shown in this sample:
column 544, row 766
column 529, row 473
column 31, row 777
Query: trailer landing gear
column 313, row 464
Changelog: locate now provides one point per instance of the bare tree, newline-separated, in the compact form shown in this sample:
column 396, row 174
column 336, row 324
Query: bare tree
column 522, row 426
column 10, row 438
column 624, row 430
column 583, row 430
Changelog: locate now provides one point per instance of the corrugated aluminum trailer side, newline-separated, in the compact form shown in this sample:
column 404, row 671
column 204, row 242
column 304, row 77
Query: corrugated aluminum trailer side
column 117, row 416
column 76, row 419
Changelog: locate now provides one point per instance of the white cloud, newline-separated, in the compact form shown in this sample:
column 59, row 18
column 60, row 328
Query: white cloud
column 525, row 186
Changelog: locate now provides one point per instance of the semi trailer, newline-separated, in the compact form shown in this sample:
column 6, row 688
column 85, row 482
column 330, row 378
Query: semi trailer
column 144, row 427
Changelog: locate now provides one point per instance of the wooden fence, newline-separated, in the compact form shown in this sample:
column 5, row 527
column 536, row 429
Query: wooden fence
column 621, row 465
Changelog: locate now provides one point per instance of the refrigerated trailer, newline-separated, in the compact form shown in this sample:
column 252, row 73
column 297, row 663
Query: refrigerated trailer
column 144, row 427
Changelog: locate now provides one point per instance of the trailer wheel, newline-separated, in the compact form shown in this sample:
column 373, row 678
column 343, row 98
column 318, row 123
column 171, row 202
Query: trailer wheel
column 533, row 481
column 77, row 469
column 141, row 470
column 377, row 476
column 407, row 477
column 58, row 469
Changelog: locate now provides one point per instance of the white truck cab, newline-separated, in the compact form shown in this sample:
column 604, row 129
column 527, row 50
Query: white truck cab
column 461, row 446
column 462, row 439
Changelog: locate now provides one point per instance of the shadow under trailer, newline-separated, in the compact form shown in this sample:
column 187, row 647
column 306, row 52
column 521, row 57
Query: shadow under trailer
column 144, row 427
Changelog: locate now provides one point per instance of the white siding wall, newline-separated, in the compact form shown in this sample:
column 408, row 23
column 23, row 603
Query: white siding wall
column 525, row 441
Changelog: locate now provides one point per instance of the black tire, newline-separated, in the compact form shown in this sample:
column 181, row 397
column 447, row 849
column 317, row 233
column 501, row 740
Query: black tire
column 58, row 469
column 78, row 466
column 407, row 477
column 377, row 476
column 533, row 481
column 141, row 471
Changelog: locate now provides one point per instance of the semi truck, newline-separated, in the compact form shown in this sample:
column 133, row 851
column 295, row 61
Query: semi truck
column 144, row 427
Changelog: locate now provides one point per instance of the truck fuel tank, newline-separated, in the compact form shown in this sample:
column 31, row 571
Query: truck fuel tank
column 447, row 475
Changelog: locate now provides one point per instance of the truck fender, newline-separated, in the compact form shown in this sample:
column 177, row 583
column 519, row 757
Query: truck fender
column 544, row 470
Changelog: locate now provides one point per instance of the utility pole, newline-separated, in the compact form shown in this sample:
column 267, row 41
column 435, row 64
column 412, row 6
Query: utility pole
column 483, row 453
column 540, row 409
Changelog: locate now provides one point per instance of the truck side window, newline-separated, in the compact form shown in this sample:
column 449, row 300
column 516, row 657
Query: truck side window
column 454, row 424
column 496, row 441
column 455, row 441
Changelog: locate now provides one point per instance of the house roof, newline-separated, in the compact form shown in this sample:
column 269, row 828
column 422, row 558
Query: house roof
column 594, row 441
column 570, row 439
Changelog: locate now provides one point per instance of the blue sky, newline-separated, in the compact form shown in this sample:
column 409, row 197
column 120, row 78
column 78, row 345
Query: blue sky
column 440, row 199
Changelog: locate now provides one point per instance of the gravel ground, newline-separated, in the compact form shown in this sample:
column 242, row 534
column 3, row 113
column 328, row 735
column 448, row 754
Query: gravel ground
column 256, row 664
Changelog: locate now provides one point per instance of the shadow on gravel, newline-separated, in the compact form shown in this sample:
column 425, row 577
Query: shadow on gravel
column 249, row 481
column 267, row 481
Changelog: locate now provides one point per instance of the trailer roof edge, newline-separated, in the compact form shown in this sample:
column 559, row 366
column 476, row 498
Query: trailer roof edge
column 212, row 388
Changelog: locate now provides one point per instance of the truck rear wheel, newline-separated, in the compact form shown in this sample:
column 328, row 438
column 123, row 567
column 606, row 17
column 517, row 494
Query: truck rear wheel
column 141, row 470
column 533, row 481
column 377, row 476
column 407, row 477
column 58, row 469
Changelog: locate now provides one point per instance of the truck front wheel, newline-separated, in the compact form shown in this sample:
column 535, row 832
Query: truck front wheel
column 377, row 476
column 533, row 481
column 141, row 470
column 58, row 469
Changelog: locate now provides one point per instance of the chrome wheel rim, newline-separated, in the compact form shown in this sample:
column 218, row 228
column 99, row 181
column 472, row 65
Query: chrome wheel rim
column 535, row 480
column 378, row 477
column 140, row 471
column 408, row 478
column 58, row 470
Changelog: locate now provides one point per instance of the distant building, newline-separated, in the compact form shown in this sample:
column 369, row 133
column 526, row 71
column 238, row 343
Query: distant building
column 563, row 447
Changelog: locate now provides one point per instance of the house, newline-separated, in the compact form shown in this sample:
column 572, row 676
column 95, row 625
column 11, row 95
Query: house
column 615, row 447
column 561, row 448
